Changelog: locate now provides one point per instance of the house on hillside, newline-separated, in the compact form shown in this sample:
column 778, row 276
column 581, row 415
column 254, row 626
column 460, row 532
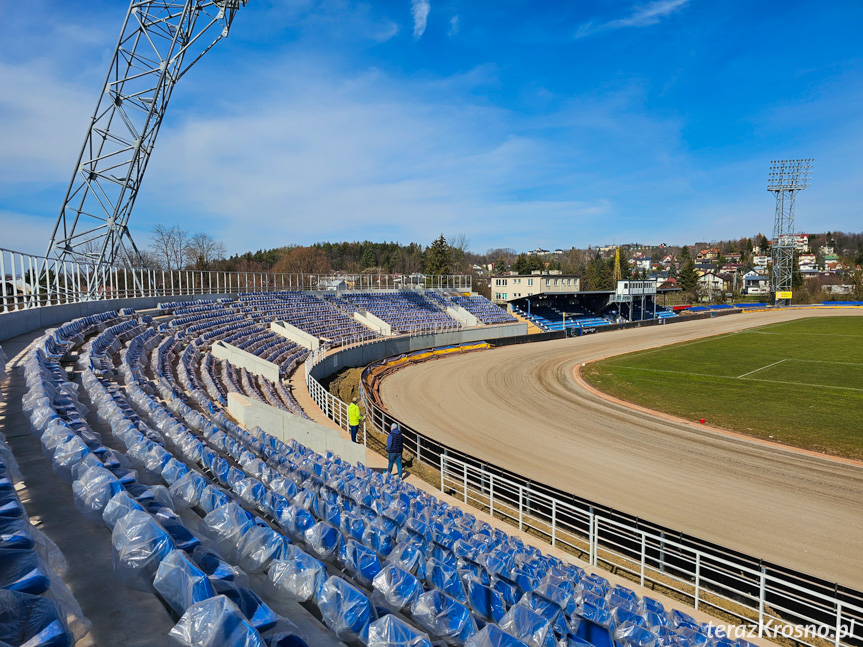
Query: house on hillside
column 713, row 283
column 755, row 283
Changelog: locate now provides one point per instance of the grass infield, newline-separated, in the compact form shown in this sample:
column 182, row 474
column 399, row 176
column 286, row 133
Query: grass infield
column 799, row 383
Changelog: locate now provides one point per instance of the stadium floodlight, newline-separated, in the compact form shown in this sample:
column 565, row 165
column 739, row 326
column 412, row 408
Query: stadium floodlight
column 159, row 42
column 786, row 178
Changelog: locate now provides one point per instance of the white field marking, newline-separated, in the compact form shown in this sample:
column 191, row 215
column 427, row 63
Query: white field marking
column 762, row 368
column 811, row 334
column 825, row 361
column 749, row 379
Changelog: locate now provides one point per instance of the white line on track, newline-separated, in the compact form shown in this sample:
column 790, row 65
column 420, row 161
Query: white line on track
column 762, row 368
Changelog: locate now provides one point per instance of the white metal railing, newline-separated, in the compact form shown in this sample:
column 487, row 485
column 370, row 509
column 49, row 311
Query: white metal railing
column 29, row 281
column 751, row 594
column 333, row 408
column 771, row 600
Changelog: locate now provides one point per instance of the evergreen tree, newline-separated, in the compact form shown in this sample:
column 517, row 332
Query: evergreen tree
column 688, row 279
column 438, row 259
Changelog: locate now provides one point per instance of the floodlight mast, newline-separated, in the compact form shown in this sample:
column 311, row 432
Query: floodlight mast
column 156, row 40
column 786, row 179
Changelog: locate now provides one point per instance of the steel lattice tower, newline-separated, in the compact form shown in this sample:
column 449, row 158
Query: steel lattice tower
column 157, row 40
column 786, row 179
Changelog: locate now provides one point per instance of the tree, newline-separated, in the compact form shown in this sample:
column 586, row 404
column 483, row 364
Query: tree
column 368, row 259
column 169, row 246
column 438, row 258
column 684, row 254
column 302, row 260
column 688, row 278
column 521, row 264
column 202, row 250
column 459, row 245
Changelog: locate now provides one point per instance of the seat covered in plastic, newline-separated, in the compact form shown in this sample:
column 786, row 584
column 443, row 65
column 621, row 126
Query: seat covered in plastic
column 446, row 579
column 181, row 583
column 395, row 588
column 139, row 544
column 345, row 609
column 15, row 533
column 493, row 636
column 390, row 631
column 487, row 603
column 298, row 574
column 216, row 622
column 32, row 620
column 360, row 562
column 443, row 617
column 256, row 611
column 21, row 570
column 596, row 634
column 528, row 626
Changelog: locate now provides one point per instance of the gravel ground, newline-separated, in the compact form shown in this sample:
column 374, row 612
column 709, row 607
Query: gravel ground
column 521, row 408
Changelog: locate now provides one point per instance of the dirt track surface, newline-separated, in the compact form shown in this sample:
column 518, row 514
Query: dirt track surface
column 520, row 408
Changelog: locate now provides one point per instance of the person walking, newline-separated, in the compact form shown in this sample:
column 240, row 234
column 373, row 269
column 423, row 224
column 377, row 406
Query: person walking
column 394, row 449
column 354, row 418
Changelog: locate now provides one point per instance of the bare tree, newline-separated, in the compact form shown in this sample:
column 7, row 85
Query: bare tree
column 169, row 246
column 203, row 249
column 459, row 245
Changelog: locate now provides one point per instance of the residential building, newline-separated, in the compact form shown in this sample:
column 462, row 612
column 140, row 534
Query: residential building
column 755, row 283
column 506, row 287
column 832, row 263
column 712, row 283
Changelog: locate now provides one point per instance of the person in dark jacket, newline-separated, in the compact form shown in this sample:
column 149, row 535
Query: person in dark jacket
column 394, row 449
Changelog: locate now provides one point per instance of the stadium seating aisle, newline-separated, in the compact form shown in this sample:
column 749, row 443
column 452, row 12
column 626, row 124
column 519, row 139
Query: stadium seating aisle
column 202, row 510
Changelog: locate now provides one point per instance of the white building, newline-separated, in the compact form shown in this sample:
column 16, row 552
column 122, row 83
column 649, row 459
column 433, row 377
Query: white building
column 755, row 283
column 506, row 287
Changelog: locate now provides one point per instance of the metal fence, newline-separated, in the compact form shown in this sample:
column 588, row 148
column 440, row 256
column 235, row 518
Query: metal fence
column 28, row 281
column 757, row 597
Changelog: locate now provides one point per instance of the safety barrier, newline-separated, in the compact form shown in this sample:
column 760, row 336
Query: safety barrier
column 28, row 281
column 766, row 599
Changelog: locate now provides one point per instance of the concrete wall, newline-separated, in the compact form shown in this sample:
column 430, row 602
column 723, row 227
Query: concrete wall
column 286, row 427
column 460, row 314
column 373, row 323
column 293, row 333
column 20, row 322
column 251, row 363
column 368, row 353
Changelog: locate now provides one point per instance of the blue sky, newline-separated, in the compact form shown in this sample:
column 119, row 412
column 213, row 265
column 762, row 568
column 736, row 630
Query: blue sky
column 516, row 123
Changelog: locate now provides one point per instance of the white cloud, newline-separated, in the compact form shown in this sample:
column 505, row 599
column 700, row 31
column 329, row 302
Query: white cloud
column 42, row 122
column 453, row 25
column 420, row 10
column 643, row 15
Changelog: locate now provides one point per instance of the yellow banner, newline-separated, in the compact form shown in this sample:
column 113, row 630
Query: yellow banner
column 783, row 295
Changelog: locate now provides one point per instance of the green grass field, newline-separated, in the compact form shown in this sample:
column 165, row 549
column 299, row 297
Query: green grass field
column 799, row 383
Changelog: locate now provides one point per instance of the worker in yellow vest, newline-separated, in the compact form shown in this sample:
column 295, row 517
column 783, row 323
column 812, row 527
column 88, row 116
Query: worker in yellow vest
column 354, row 418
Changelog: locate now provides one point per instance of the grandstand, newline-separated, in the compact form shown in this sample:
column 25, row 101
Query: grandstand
column 405, row 311
column 560, row 317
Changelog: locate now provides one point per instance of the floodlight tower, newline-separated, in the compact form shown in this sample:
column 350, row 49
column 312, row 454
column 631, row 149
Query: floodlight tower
column 786, row 179
column 159, row 42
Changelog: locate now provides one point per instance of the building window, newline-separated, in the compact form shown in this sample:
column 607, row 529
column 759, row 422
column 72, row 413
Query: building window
column 547, row 282
column 530, row 282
